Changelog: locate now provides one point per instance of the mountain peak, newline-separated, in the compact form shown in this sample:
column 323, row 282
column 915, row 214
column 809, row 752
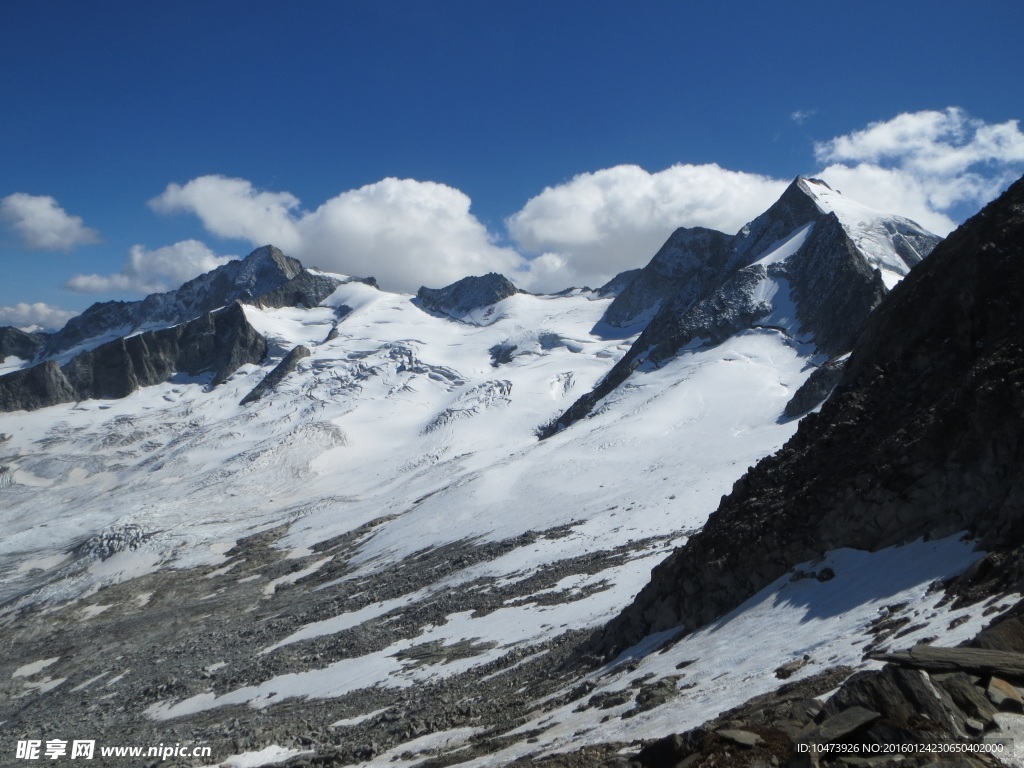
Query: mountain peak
column 466, row 295
column 270, row 256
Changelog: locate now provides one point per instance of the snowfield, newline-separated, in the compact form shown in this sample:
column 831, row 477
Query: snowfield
column 406, row 442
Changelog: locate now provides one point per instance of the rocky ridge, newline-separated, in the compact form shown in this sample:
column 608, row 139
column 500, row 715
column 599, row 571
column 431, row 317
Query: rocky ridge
column 264, row 270
column 202, row 337
column 463, row 296
column 217, row 343
column 922, row 437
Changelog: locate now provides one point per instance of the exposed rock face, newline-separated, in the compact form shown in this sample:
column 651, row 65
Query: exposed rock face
column 219, row 341
column 35, row 387
column 467, row 294
column 689, row 262
column 262, row 271
column 15, row 342
column 704, row 284
column 276, row 376
column 618, row 284
column 306, row 289
column 816, row 389
column 923, row 436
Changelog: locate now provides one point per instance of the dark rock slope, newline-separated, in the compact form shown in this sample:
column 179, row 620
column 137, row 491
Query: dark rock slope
column 467, row 294
column 17, row 343
column 924, row 436
column 218, row 342
column 264, row 271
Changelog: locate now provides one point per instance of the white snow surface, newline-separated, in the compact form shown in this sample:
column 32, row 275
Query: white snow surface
column 402, row 419
column 872, row 231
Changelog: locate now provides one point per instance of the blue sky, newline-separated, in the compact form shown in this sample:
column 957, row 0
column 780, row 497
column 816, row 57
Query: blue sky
column 559, row 142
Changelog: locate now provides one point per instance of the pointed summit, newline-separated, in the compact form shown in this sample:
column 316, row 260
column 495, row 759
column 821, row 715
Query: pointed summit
column 813, row 267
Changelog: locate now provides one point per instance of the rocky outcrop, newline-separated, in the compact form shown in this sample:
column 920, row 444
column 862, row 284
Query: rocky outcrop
column 618, row 284
column 306, row 289
column 466, row 295
column 16, row 343
column 833, row 286
column 264, row 270
column 270, row 382
column 689, row 262
column 927, row 706
column 924, row 436
column 36, row 387
column 218, row 343
column 816, row 389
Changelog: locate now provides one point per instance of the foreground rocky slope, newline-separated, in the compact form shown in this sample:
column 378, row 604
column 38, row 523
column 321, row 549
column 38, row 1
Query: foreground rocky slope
column 922, row 437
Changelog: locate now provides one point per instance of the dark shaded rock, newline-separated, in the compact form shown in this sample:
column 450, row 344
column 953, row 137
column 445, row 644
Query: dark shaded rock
column 218, row 342
column 36, row 387
column 929, row 411
column 618, row 284
column 306, row 289
column 14, row 342
column 502, row 354
column 816, row 389
column 262, row 271
column 691, row 260
column 467, row 294
column 901, row 696
column 980, row 661
column 288, row 364
column 840, row 725
column 967, row 696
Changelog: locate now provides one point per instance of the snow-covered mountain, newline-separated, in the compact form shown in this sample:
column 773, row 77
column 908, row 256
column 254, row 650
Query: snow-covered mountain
column 353, row 545
column 812, row 267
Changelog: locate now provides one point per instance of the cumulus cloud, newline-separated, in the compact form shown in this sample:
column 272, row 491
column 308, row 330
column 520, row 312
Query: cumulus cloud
column 925, row 164
column 32, row 317
column 233, row 208
column 406, row 233
column 601, row 223
column 153, row 271
column 43, row 225
column 931, row 166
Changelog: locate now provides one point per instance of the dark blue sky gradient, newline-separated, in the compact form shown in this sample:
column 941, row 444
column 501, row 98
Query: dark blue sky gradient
column 103, row 104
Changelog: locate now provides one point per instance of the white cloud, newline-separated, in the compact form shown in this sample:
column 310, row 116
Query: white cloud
column 31, row 317
column 888, row 190
column 925, row 164
column 601, row 223
column 153, row 271
column 800, row 116
column 929, row 166
column 406, row 233
column 43, row 225
column 233, row 208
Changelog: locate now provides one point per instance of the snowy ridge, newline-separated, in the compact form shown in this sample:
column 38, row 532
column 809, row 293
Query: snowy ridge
column 890, row 243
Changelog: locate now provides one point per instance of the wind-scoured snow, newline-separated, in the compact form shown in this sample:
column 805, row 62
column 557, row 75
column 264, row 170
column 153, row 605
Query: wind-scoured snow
column 732, row 660
column 892, row 244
